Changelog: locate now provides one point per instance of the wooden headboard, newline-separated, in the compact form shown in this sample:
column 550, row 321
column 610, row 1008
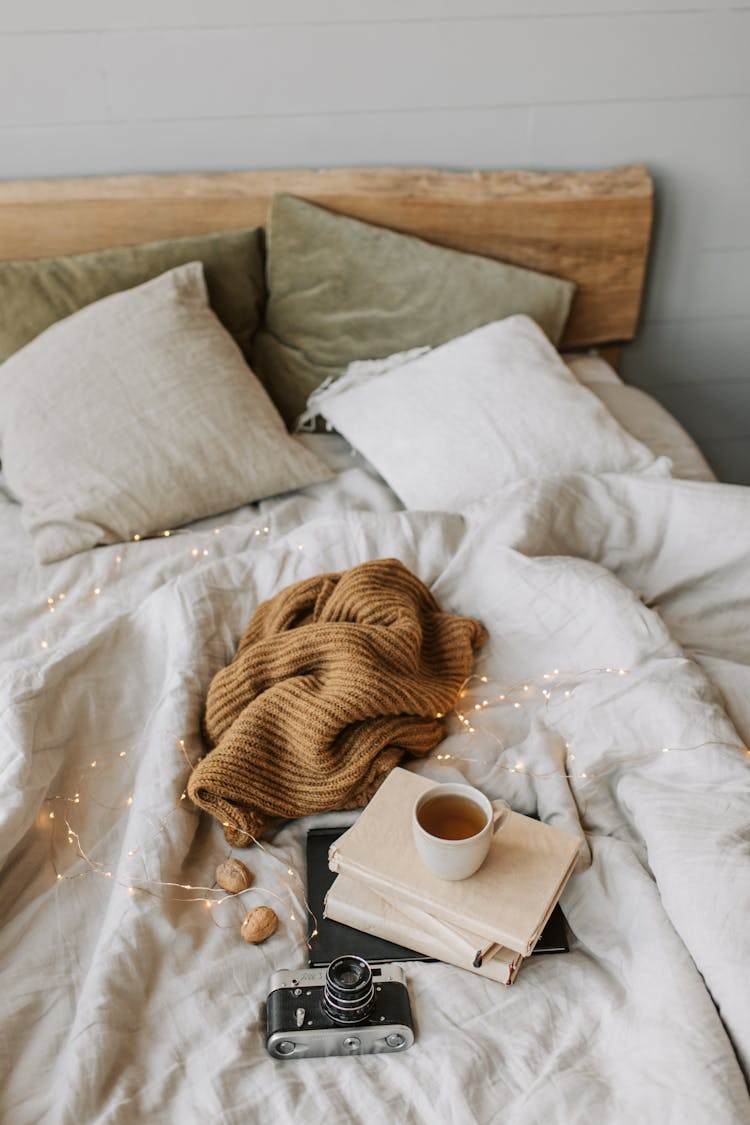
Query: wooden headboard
column 590, row 227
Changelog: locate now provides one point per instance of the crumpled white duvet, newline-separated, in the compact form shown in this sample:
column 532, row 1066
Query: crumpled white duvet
column 135, row 1007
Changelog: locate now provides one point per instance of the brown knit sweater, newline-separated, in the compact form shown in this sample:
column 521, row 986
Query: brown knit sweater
column 334, row 680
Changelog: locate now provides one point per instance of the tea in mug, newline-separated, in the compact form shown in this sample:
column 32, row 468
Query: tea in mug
column 452, row 817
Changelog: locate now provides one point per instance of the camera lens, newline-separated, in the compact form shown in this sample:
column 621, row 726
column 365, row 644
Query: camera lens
column 348, row 992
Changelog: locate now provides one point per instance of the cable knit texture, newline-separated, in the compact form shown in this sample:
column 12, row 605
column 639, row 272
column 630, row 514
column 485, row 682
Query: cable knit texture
column 335, row 679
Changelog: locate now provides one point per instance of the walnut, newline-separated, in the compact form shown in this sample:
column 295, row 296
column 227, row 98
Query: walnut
column 233, row 876
column 259, row 924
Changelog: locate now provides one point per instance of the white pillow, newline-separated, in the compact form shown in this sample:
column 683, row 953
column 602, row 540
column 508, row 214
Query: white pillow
column 137, row 414
column 481, row 411
column 642, row 416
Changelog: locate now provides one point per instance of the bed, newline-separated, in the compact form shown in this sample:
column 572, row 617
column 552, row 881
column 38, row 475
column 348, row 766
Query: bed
column 616, row 598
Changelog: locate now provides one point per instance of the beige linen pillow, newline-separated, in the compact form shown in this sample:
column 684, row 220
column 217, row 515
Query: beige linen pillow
column 136, row 414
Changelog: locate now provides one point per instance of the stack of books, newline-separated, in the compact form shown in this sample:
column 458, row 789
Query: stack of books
column 487, row 923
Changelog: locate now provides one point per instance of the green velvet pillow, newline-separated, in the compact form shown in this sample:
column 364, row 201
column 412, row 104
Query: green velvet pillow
column 341, row 290
column 37, row 293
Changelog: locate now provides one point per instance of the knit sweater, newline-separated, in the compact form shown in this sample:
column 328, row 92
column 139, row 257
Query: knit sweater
column 334, row 680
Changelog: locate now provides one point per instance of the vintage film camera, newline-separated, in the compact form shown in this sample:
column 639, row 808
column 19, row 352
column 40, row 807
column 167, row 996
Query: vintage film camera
column 347, row 1009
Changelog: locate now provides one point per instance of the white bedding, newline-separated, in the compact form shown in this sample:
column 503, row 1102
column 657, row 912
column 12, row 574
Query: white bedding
column 127, row 1008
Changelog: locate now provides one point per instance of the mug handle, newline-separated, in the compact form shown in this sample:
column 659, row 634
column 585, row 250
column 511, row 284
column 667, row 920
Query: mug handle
column 500, row 815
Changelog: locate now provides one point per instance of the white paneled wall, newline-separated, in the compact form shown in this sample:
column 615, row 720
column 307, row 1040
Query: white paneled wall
column 174, row 85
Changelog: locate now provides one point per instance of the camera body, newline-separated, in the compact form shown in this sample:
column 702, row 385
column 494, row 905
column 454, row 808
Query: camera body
column 348, row 1008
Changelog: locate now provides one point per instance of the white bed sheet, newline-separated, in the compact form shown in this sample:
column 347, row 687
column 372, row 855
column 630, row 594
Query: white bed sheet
column 126, row 1008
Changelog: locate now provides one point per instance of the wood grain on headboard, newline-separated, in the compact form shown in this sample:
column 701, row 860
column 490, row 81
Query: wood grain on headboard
column 590, row 227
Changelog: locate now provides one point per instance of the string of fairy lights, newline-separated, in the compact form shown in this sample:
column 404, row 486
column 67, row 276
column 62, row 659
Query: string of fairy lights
column 54, row 602
column 210, row 896
column 477, row 696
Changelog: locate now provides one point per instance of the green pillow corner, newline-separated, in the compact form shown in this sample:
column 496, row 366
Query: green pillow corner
column 341, row 290
column 37, row 292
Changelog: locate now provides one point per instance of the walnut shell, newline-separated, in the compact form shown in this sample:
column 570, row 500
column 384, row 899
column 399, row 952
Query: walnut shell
column 233, row 876
column 259, row 924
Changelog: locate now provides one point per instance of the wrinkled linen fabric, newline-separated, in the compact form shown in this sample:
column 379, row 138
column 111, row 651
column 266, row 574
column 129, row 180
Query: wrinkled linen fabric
column 128, row 1008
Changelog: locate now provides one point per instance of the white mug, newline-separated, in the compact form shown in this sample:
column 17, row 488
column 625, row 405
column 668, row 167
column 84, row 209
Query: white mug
column 456, row 858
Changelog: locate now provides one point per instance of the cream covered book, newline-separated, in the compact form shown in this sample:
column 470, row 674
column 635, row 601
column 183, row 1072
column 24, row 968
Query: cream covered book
column 354, row 903
column 506, row 903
